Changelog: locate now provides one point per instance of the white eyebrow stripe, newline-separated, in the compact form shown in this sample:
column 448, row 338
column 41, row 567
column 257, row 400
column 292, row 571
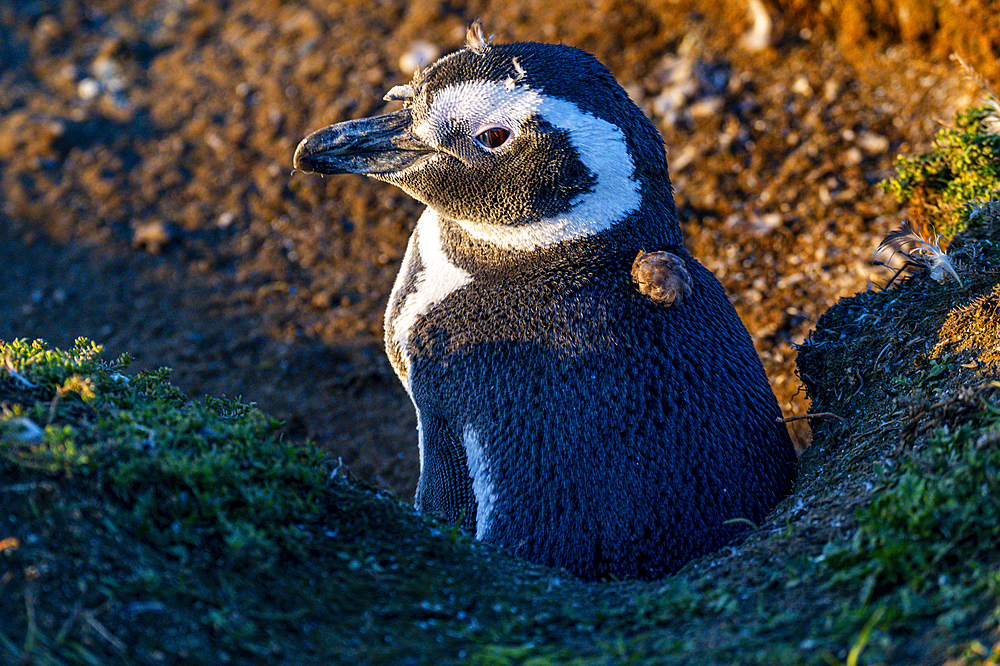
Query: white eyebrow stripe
column 478, row 103
column 600, row 144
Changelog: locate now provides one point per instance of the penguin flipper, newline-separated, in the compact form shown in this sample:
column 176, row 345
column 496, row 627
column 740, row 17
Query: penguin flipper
column 444, row 490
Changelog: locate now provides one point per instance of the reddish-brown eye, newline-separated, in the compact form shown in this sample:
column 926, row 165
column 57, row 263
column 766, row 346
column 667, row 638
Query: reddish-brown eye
column 493, row 137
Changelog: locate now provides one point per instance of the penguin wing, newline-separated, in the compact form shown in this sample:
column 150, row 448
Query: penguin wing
column 444, row 489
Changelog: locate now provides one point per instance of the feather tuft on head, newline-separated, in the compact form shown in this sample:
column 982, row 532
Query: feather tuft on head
column 519, row 74
column 476, row 39
column 920, row 249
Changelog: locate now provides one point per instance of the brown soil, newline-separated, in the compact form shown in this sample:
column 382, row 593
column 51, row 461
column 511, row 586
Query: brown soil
column 148, row 200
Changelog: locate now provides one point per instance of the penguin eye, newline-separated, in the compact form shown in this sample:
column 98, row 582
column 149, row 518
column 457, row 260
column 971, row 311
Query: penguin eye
column 493, row 138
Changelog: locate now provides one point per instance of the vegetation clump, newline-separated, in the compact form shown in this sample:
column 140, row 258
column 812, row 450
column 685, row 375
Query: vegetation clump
column 191, row 473
column 949, row 185
column 143, row 526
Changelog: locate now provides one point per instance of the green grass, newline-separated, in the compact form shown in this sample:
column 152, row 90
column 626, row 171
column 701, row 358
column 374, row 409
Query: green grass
column 925, row 548
column 202, row 474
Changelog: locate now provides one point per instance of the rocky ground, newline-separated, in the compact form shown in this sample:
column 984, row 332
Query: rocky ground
column 148, row 200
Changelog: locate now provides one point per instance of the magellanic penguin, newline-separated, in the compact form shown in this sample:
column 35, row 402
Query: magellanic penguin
column 563, row 414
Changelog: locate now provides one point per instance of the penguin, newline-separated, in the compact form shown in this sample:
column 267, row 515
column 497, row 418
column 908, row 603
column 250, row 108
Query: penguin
column 567, row 410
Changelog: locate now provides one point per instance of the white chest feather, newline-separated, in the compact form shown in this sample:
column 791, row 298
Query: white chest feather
column 483, row 487
column 426, row 278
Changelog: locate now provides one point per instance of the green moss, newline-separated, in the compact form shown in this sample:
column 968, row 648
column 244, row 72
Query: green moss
column 920, row 552
column 962, row 168
column 197, row 507
column 925, row 547
column 205, row 474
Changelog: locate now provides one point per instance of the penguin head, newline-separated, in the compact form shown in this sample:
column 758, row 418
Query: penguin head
column 522, row 145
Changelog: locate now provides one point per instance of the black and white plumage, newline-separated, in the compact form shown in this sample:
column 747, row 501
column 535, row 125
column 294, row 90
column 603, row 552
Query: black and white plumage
column 562, row 413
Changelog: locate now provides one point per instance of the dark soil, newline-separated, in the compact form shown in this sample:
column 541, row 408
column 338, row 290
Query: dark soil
column 148, row 200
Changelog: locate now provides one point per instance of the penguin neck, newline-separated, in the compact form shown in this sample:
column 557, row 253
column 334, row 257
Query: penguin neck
column 647, row 208
column 647, row 228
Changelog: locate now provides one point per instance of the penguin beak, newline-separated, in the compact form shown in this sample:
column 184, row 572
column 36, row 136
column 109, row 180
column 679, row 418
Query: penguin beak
column 374, row 146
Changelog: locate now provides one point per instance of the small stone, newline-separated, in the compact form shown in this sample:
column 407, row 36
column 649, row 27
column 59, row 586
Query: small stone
column 761, row 33
column 419, row 55
column 322, row 299
column 872, row 143
column 765, row 224
column 831, row 90
column 108, row 72
column 88, row 88
column 706, row 107
column 853, row 156
column 153, row 236
column 802, row 87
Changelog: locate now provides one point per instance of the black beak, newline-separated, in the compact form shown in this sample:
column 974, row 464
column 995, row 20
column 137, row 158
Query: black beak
column 374, row 146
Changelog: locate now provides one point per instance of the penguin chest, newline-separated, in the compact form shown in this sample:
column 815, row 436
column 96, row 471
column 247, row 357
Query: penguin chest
column 425, row 279
column 548, row 306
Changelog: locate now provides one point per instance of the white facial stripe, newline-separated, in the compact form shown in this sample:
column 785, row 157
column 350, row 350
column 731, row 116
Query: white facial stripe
column 435, row 282
column 600, row 144
column 482, row 479
column 477, row 104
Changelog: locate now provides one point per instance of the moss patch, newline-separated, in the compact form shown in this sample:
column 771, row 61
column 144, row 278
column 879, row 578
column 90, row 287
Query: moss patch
column 948, row 185
column 145, row 526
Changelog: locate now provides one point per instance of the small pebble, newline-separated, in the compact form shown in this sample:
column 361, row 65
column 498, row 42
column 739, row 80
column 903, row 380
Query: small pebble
column 872, row 143
column 419, row 55
column 88, row 88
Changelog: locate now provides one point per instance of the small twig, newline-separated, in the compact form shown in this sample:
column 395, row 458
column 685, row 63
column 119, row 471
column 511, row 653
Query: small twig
column 52, row 409
column 861, row 381
column 976, row 77
column 4, row 580
column 30, row 430
column 29, row 608
column 68, row 624
column 817, row 415
column 103, row 631
column 25, row 487
column 745, row 521
column 9, row 366
column 150, row 442
column 884, row 349
column 879, row 430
